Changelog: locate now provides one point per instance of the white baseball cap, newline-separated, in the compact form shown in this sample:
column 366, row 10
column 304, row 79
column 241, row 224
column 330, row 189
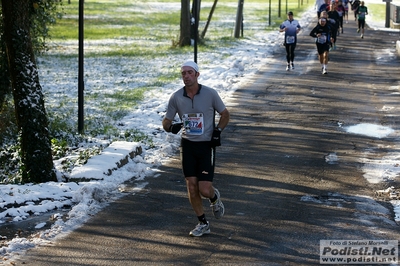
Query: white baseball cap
column 192, row 65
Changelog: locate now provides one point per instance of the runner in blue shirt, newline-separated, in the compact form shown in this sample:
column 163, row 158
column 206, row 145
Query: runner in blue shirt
column 324, row 7
column 291, row 27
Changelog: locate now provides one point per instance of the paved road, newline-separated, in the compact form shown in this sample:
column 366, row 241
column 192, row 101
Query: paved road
column 281, row 195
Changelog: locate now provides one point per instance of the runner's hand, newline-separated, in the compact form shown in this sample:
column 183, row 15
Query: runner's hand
column 216, row 138
column 175, row 128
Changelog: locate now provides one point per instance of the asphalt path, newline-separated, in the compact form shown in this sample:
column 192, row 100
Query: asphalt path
column 281, row 195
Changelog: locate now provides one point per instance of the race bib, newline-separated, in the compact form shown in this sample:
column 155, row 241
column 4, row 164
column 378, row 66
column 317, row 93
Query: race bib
column 321, row 39
column 361, row 15
column 290, row 39
column 193, row 123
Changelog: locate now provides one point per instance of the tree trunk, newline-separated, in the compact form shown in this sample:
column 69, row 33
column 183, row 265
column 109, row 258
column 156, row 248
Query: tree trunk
column 4, row 75
column 4, row 82
column 203, row 33
column 36, row 157
column 239, row 19
column 184, row 39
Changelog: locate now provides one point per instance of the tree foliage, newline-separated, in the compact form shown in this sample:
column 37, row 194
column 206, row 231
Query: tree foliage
column 42, row 14
column 18, row 27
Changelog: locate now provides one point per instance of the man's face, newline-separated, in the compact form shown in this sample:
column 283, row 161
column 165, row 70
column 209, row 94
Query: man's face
column 189, row 75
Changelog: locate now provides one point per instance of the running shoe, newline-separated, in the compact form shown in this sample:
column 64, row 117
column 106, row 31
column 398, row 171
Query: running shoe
column 292, row 67
column 358, row 30
column 324, row 71
column 217, row 207
column 362, row 36
column 200, row 229
column 287, row 67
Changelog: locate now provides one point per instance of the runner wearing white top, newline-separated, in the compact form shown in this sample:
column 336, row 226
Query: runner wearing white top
column 291, row 27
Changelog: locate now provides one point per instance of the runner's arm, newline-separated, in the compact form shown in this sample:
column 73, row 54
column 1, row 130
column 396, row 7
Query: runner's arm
column 224, row 119
column 166, row 123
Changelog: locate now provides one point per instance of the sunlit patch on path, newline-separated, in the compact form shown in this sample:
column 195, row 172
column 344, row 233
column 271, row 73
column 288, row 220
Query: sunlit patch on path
column 370, row 130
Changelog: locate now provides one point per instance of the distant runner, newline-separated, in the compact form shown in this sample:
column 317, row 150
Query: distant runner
column 362, row 11
column 322, row 32
column 333, row 22
column 291, row 27
column 354, row 6
column 324, row 7
column 341, row 11
column 346, row 8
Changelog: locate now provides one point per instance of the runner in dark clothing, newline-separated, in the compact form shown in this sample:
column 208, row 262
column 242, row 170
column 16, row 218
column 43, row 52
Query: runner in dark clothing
column 342, row 12
column 333, row 22
column 323, row 7
column 322, row 32
column 354, row 6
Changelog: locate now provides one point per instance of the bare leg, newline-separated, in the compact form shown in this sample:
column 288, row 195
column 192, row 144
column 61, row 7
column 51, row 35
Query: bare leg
column 321, row 58
column 325, row 57
column 196, row 190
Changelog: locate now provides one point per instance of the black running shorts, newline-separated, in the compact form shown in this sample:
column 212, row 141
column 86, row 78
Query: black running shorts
column 198, row 159
column 322, row 47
